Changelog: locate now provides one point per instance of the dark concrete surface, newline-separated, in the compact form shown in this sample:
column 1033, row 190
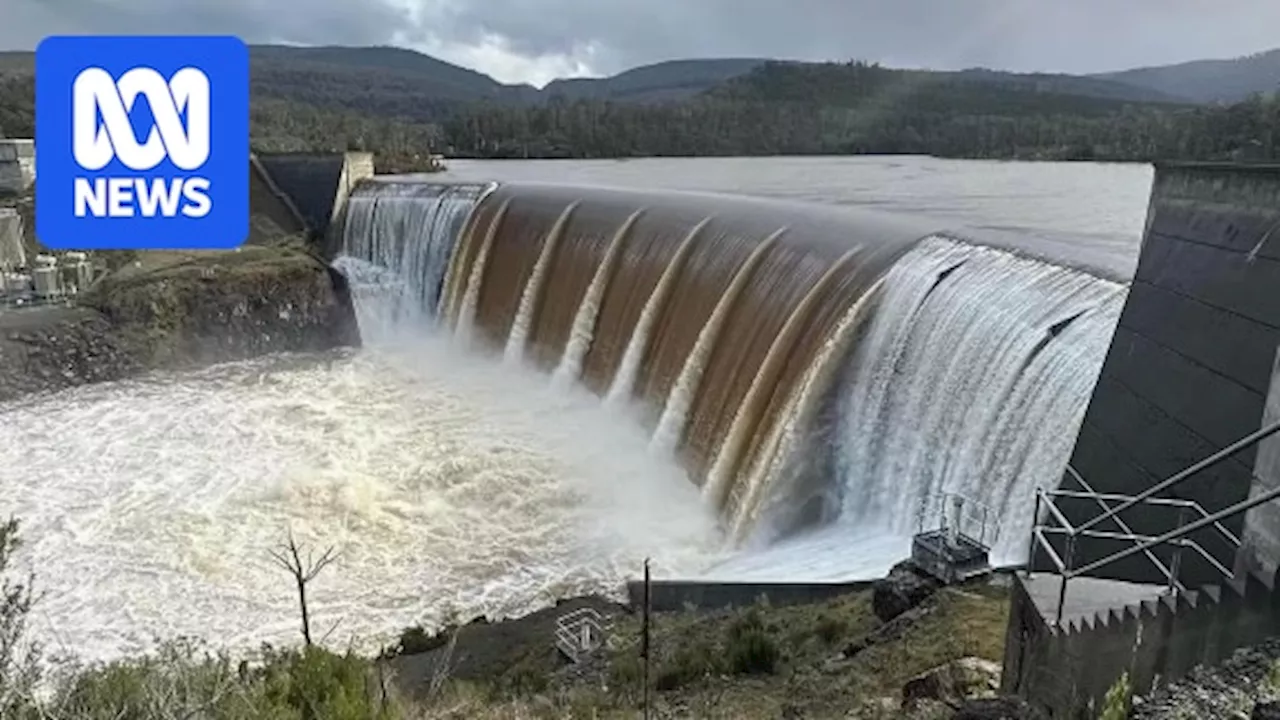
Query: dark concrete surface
column 1191, row 360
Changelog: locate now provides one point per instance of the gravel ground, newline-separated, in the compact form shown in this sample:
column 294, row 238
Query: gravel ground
column 1227, row 691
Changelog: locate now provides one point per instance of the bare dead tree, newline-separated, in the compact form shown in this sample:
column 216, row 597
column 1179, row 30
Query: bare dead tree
column 291, row 560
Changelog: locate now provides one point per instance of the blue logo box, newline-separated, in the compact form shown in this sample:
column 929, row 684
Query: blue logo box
column 142, row 142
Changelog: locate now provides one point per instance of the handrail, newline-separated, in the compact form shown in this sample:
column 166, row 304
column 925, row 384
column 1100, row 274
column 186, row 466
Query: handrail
column 1048, row 547
column 1124, row 526
column 1171, row 502
column 1057, row 514
column 1244, row 442
column 1087, row 495
column 1178, row 542
column 1233, row 510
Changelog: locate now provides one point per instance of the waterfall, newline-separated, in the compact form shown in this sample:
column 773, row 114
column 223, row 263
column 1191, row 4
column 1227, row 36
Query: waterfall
column 519, row 335
column 676, row 412
column 625, row 379
column 584, row 322
column 397, row 245
column 973, row 378
column 826, row 374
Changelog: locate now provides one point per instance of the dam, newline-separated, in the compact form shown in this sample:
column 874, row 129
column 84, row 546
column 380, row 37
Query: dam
column 554, row 383
column 824, row 376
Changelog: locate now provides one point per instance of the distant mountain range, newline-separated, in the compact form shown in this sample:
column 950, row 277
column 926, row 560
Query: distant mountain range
column 398, row 82
column 426, row 82
column 1208, row 81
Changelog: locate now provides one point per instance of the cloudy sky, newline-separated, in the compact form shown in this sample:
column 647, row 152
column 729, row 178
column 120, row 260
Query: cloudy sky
column 536, row 40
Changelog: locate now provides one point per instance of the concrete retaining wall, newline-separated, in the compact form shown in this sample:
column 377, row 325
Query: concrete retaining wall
column 317, row 184
column 1066, row 673
column 674, row 595
column 1261, row 551
column 1192, row 358
column 17, row 166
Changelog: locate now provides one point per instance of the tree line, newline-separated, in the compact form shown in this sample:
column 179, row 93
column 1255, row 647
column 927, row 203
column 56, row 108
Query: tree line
column 779, row 109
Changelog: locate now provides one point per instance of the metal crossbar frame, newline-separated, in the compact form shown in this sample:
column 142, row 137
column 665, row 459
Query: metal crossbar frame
column 1045, row 500
column 1239, row 445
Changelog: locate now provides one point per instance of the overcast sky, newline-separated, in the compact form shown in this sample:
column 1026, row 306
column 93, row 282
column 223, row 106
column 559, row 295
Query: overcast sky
column 536, row 40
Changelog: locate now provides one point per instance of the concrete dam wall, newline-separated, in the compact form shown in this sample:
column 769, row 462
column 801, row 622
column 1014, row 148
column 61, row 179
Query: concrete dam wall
column 824, row 375
column 1190, row 368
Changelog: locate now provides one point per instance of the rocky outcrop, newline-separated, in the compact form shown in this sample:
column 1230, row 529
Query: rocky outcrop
column 175, row 312
column 902, row 589
column 52, row 348
column 1266, row 711
column 952, row 683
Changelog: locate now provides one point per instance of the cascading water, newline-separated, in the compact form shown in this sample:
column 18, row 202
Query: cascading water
column 817, row 386
column 397, row 243
column 966, row 370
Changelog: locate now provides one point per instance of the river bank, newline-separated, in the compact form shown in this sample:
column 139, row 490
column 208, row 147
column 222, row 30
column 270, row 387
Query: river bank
column 823, row 659
column 171, row 310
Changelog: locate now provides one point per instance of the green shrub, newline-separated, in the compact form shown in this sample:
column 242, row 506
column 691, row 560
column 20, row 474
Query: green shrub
column 1115, row 706
column 830, row 629
column 183, row 680
column 415, row 640
column 750, row 648
column 691, row 662
column 19, row 660
column 526, row 677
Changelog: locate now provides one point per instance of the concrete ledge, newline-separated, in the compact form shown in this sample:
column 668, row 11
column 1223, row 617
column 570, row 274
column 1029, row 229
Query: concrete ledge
column 673, row 595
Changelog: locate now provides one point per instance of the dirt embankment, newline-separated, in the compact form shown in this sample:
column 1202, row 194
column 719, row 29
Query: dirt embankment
column 178, row 310
column 828, row 659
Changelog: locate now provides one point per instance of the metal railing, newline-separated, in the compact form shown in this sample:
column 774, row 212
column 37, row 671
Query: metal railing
column 960, row 515
column 582, row 632
column 1046, row 502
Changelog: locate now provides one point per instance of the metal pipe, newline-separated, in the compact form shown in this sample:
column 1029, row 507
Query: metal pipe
column 1072, row 494
column 1176, row 563
column 1223, row 454
column 1035, row 523
column 1242, row 506
column 1053, row 509
column 1229, row 536
column 1048, row 549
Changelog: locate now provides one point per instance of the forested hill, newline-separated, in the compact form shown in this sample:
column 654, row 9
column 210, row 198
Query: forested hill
column 783, row 108
column 387, row 81
column 402, row 104
column 1209, row 81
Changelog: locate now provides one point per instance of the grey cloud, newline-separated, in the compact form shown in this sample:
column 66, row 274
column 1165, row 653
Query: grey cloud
column 1055, row 35
column 1066, row 35
column 24, row 22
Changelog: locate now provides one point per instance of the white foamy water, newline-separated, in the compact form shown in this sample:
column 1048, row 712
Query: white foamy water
column 447, row 482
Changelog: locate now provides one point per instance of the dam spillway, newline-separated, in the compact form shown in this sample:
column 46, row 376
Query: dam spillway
column 811, row 369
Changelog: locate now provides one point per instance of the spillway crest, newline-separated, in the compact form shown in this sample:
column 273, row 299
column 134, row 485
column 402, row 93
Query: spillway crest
column 805, row 365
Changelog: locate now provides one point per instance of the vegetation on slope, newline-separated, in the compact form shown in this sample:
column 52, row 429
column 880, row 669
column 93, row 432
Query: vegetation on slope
column 1209, row 81
column 399, row 103
column 855, row 108
column 757, row 662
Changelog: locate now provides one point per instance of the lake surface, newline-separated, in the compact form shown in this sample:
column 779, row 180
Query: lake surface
column 1088, row 214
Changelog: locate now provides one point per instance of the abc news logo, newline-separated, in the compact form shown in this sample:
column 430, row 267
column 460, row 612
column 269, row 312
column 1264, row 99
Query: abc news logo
column 143, row 142
column 184, row 143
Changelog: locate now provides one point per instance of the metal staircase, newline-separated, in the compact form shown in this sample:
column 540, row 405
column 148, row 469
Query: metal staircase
column 1191, row 518
column 580, row 633
column 1073, row 632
